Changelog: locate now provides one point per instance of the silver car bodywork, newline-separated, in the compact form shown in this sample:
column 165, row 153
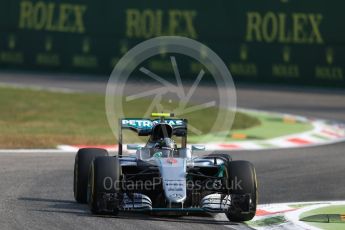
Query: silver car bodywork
column 175, row 167
column 173, row 172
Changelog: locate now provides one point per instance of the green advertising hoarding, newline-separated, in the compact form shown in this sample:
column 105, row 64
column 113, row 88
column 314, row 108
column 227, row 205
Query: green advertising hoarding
column 286, row 41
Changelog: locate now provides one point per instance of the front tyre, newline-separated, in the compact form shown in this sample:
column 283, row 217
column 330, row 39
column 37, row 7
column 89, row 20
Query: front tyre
column 82, row 163
column 242, row 179
column 103, row 189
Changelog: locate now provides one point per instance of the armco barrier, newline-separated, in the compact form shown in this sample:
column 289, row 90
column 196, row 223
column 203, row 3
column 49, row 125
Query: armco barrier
column 284, row 41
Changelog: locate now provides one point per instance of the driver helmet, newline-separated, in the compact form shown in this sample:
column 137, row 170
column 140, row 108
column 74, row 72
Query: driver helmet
column 166, row 143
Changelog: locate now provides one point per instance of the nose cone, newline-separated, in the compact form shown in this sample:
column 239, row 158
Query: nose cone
column 173, row 172
column 175, row 190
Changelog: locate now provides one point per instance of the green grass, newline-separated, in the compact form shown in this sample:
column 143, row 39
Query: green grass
column 42, row 119
column 333, row 209
column 30, row 118
column 270, row 221
column 270, row 127
column 273, row 127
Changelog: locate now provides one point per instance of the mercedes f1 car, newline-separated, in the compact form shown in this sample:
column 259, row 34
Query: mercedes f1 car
column 164, row 177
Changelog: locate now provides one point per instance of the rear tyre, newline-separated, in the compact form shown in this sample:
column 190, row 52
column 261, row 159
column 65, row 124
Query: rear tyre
column 104, row 176
column 82, row 163
column 242, row 179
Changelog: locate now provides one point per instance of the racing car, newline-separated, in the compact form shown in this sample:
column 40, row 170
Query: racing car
column 163, row 175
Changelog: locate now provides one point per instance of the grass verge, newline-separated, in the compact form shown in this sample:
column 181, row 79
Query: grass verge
column 270, row 127
column 334, row 210
column 42, row 119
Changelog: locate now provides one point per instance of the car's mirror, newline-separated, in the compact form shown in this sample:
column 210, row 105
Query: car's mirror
column 180, row 132
column 198, row 147
column 133, row 147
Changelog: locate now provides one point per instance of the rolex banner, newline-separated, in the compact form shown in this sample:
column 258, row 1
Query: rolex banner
column 283, row 41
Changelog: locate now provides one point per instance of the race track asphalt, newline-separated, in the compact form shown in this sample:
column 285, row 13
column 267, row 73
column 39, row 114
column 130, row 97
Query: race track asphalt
column 36, row 188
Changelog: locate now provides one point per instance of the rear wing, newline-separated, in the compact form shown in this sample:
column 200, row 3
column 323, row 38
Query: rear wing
column 143, row 127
